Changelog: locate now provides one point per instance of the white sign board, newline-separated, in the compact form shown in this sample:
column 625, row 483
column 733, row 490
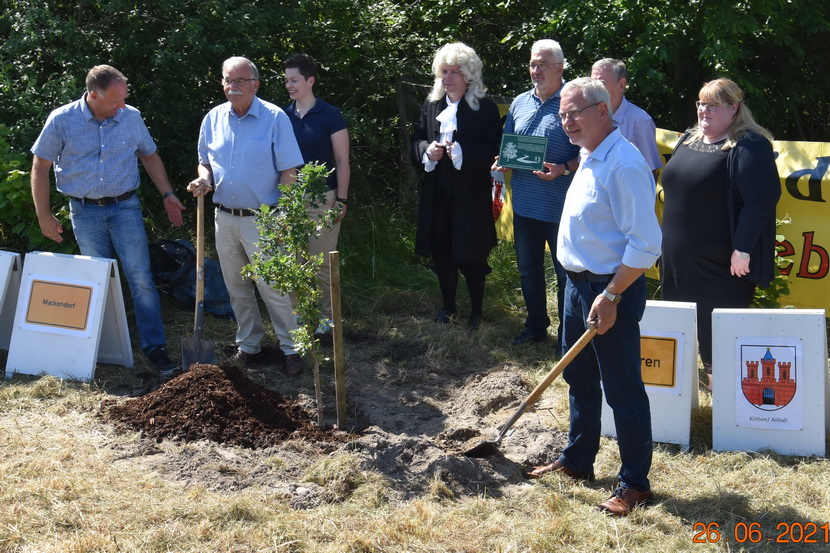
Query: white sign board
column 70, row 315
column 668, row 351
column 9, row 288
column 769, row 380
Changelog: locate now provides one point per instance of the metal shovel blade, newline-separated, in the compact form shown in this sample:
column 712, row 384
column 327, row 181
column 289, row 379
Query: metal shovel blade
column 490, row 448
column 485, row 449
column 197, row 350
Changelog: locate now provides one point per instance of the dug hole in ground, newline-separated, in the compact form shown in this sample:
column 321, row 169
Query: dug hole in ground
column 417, row 396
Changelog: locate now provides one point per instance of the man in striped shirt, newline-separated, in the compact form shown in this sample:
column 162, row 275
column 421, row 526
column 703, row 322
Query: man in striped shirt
column 634, row 123
column 538, row 196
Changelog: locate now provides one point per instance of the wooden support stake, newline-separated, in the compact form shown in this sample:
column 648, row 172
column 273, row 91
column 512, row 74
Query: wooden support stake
column 337, row 340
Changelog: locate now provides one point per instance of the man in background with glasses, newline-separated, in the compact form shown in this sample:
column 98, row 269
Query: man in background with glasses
column 246, row 150
column 94, row 143
column 538, row 196
column 634, row 123
column 608, row 237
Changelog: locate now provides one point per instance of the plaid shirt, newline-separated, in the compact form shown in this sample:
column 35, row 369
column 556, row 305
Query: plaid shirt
column 94, row 159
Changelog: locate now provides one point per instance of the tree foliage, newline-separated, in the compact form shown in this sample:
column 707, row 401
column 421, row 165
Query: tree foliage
column 772, row 48
column 172, row 52
column 284, row 260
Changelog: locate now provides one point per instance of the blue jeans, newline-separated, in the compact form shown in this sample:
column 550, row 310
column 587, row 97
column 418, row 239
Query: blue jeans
column 614, row 359
column 530, row 236
column 119, row 229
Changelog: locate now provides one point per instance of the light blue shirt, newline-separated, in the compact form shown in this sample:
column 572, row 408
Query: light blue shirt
column 608, row 218
column 94, row 159
column 533, row 197
column 248, row 153
column 638, row 127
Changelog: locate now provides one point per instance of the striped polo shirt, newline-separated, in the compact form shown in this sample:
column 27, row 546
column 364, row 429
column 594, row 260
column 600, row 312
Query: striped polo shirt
column 532, row 196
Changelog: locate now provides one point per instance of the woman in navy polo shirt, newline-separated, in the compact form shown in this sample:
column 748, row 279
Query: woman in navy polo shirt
column 323, row 137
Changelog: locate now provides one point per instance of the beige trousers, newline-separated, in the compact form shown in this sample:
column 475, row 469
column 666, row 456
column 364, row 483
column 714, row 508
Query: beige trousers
column 325, row 243
column 236, row 244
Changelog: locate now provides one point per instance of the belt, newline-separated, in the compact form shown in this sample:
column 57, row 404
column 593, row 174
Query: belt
column 588, row 276
column 238, row 212
column 109, row 200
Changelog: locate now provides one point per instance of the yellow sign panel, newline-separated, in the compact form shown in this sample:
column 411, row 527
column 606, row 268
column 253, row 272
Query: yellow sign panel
column 59, row 305
column 658, row 357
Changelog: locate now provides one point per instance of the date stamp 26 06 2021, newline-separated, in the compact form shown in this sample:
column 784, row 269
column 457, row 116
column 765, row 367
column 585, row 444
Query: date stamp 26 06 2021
column 754, row 532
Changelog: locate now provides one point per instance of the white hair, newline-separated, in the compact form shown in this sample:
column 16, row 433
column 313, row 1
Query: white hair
column 593, row 91
column 550, row 45
column 234, row 61
column 458, row 53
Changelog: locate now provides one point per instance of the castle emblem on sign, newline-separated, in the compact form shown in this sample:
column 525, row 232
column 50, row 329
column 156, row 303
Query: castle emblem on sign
column 510, row 151
column 768, row 384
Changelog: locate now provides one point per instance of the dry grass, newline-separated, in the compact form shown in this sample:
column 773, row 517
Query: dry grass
column 63, row 488
column 61, row 491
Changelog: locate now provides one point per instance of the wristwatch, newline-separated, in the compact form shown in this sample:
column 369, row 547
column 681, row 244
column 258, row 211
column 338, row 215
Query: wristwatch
column 613, row 298
column 567, row 169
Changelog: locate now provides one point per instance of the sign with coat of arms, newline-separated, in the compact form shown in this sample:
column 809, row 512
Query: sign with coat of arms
column 767, row 388
column 770, row 392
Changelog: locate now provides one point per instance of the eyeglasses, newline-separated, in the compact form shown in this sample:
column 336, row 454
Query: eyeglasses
column 238, row 82
column 541, row 66
column 574, row 113
column 708, row 106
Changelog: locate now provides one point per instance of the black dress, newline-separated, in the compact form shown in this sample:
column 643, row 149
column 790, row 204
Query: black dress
column 458, row 201
column 697, row 237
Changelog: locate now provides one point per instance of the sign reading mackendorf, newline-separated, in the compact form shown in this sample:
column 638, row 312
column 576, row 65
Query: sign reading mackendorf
column 59, row 305
column 519, row 151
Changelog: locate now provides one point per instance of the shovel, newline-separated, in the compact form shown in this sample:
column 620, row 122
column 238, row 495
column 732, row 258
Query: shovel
column 491, row 447
column 195, row 349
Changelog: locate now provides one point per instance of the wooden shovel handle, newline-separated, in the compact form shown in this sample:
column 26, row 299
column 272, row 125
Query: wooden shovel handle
column 550, row 377
column 200, row 248
column 563, row 363
column 200, row 263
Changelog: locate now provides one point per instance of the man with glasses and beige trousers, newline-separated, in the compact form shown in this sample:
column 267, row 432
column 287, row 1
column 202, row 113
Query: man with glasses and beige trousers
column 246, row 150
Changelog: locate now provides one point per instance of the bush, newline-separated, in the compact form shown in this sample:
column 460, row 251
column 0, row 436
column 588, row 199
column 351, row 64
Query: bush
column 19, row 229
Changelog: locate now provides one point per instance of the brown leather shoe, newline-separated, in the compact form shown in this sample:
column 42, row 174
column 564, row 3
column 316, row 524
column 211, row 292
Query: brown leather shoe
column 624, row 500
column 557, row 466
column 242, row 358
column 293, row 365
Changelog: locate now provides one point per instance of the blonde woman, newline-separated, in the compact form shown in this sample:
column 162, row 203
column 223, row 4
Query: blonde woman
column 721, row 187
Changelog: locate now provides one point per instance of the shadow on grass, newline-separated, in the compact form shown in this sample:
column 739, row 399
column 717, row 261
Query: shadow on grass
column 729, row 518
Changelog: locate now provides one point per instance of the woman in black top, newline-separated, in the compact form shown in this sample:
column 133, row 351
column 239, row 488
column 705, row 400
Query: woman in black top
column 720, row 189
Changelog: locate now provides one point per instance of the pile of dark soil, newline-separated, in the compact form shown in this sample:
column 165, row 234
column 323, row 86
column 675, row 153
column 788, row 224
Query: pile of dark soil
column 215, row 403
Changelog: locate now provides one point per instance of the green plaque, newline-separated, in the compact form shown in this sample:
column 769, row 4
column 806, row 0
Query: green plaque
column 519, row 151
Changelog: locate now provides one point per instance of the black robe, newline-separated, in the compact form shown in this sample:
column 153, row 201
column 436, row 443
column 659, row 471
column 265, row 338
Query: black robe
column 468, row 190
